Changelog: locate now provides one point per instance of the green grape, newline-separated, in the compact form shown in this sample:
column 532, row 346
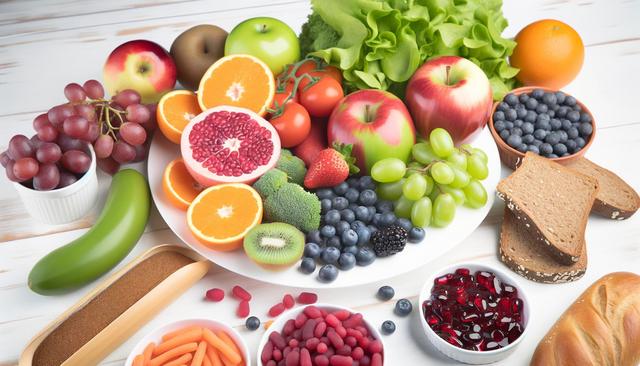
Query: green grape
column 456, row 193
column 461, row 178
column 476, row 194
column 390, row 191
column 412, row 167
column 458, row 159
column 421, row 212
column 441, row 142
column 444, row 210
column 414, row 186
column 430, row 185
column 481, row 154
column 476, row 167
column 423, row 153
column 388, row 170
column 402, row 207
column 442, row 173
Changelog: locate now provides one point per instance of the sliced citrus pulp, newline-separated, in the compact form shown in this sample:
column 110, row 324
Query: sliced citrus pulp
column 221, row 215
column 175, row 110
column 179, row 185
column 237, row 80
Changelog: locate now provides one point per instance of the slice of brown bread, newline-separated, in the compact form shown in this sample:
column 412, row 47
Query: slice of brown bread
column 553, row 203
column 615, row 199
column 520, row 252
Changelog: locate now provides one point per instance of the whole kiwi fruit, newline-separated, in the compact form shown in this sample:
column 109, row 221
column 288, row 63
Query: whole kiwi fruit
column 275, row 244
column 195, row 50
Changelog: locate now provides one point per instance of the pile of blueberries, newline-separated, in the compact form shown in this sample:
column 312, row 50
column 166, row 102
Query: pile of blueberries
column 546, row 123
column 351, row 213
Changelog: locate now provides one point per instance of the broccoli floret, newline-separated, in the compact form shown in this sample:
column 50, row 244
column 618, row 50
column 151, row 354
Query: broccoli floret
column 293, row 205
column 293, row 166
column 270, row 182
column 317, row 35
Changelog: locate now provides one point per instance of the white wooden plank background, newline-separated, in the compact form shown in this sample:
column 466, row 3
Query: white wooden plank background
column 46, row 44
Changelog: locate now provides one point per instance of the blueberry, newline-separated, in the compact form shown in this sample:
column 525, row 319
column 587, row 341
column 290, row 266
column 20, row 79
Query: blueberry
column 566, row 124
column 517, row 123
column 416, row 234
column 307, row 265
column 328, row 231
column 560, row 96
column 549, row 99
column 508, row 125
column 328, row 273
column 585, row 117
column 511, row 99
column 364, row 234
column 330, row 255
column 551, row 112
column 559, row 149
column 339, row 203
column 356, row 225
column 552, row 156
column 580, row 142
column 573, row 116
column 510, row 115
column 313, row 236
column 530, row 117
column 372, row 211
column 563, row 136
column 502, row 106
column 542, row 108
column 556, row 124
column 253, row 323
column 365, row 256
column 341, row 188
column 516, row 131
column 514, row 141
column 349, row 237
column 334, row 242
column 352, row 249
column 570, row 101
column 362, row 214
column 368, row 197
column 523, row 148
column 498, row 116
column 353, row 206
column 546, row 149
column 341, row 227
column 571, row 145
column 352, row 195
column 552, row 138
column 323, row 193
column 536, row 143
column 537, row 93
column 388, row 327
column 377, row 219
column 312, row 250
column 325, row 205
column 585, row 129
column 366, row 182
column 347, row 261
column 404, row 223
column 562, row 112
column 542, row 117
column 372, row 229
column 523, row 98
column 332, row 217
column 539, row 134
column 528, row 139
column 387, row 219
column 403, row 306
column 521, row 113
column 384, row 206
column 527, row 128
column 504, row 134
column 352, row 182
column 347, row 215
column 534, row 149
column 543, row 125
column 386, row 293
column 531, row 104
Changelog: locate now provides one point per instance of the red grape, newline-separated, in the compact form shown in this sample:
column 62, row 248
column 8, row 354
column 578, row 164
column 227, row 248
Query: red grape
column 47, row 133
column 66, row 179
column 5, row 159
column 108, row 165
column 9, row 170
column 87, row 111
column 127, row 97
column 138, row 113
column 123, row 152
column 67, row 143
column 76, row 161
column 35, row 142
column 20, row 147
column 75, row 126
column 141, row 153
column 49, row 153
column 92, row 133
column 40, row 121
column 133, row 133
column 74, row 92
column 103, row 146
column 25, row 168
column 48, row 177
column 94, row 89
column 59, row 113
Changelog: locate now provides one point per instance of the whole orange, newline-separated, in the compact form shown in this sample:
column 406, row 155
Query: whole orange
column 549, row 53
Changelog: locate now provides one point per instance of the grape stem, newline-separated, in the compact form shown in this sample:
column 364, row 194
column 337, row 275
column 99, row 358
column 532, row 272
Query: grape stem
column 104, row 118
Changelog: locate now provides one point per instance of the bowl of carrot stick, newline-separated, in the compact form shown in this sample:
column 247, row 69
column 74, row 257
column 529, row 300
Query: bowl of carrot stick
column 194, row 342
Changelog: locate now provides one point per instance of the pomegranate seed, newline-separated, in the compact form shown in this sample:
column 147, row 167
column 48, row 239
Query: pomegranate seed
column 276, row 310
column 267, row 352
column 342, row 315
column 305, row 357
column 300, row 320
column 293, row 358
column 357, row 353
column 338, row 360
column 321, row 327
column 277, row 340
column 215, row 294
column 321, row 360
column 344, row 350
column 308, row 329
column 312, row 343
column 240, row 293
column 335, row 339
column 376, row 359
column 307, row 298
column 321, row 348
column 243, row 309
column 288, row 301
column 289, row 327
column 463, row 271
column 332, row 321
column 277, row 355
column 312, row 312
column 272, row 363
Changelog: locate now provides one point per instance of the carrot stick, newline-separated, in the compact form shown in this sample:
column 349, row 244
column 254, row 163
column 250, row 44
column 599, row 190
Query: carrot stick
column 138, row 361
column 173, row 353
column 226, row 362
column 194, row 335
column 176, row 332
column 221, row 346
column 199, row 355
column 180, row 360
column 227, row 339
column 206, row 361
column 148, row 350
column 213, row 356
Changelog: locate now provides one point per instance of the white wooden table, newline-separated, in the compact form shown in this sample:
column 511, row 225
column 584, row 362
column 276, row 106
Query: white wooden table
column 46, row 44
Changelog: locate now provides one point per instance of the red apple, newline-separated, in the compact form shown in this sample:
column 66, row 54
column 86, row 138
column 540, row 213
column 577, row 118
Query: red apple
column 378, row 125
column 450, row 92
column 143, row 66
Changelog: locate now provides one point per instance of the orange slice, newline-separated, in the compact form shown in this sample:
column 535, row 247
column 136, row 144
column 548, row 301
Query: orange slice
column 175, row 110
column 237, row 80
column 179, row 185
column 221, row 215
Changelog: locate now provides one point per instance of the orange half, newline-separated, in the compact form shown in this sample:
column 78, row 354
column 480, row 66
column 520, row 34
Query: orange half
column 237, row 80
column 222, row 215
column 175, row 110
column 179, row 185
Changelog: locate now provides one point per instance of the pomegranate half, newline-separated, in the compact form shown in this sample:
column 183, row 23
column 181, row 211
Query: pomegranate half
column 228, row 144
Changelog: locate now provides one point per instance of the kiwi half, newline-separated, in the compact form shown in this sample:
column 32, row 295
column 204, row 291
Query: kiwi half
column 274, row 244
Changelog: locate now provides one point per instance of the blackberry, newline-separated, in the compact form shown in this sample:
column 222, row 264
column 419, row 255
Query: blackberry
column 389, row 241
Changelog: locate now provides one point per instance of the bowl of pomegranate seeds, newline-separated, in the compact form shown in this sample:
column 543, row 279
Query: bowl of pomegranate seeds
column 474, row 313
column 321, row 335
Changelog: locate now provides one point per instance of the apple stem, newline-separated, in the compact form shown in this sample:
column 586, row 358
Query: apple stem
column 263, row 28
column 448, row 70
column 368, row 115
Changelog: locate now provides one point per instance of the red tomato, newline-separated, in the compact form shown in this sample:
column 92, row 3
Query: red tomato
column 320, row 98
column 293, row 125
column 306, row 67
column 280, row 97
column 334, row 72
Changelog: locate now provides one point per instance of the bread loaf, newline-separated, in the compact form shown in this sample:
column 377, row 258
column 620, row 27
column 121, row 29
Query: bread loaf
column 602, row 327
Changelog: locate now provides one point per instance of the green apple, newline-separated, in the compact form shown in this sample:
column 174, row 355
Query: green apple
column 268, row 39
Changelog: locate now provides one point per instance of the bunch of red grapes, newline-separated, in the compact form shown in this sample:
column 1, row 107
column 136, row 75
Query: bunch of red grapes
column 58, row 154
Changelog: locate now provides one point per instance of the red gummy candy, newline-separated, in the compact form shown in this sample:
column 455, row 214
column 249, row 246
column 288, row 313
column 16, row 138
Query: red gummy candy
column 240, row 293
column 276, row 310
column 215, row 294
column 288, row 301
column 243, row 309
column 306, row 298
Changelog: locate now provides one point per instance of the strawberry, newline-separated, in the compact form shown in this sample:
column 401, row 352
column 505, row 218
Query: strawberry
column 331, row 167
column 314, row 143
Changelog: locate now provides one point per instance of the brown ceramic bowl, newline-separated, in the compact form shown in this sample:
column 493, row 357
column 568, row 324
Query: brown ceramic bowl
column 512, row 157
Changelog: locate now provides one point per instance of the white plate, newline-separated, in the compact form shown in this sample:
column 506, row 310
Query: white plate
column 436, row 242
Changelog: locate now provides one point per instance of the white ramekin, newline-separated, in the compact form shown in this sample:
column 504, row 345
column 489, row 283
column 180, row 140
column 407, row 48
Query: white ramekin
column 60, row 206
column 460, row 354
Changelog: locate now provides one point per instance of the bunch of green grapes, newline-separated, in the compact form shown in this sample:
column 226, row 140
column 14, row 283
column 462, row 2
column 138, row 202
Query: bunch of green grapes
column 439, row 178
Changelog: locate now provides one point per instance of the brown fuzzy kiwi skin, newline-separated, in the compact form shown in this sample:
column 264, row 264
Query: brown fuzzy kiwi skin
column 300, row 237
column 195, row 50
